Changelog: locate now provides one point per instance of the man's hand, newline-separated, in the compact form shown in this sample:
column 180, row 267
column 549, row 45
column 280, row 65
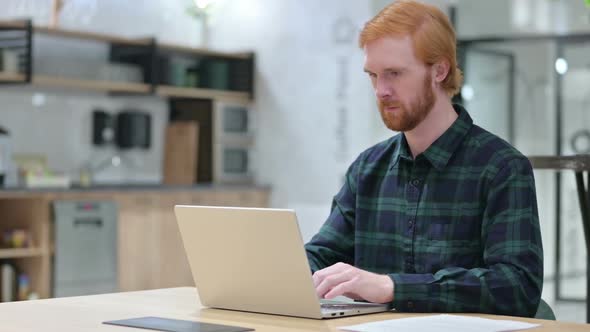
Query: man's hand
column 347, row 280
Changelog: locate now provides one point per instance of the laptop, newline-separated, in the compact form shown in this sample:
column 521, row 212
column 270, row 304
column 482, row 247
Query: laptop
column 253, row 259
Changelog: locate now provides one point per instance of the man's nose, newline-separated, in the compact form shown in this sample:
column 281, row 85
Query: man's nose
column 383, row 90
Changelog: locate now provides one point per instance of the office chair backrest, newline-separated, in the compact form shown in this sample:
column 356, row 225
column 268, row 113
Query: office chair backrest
column 544, row 311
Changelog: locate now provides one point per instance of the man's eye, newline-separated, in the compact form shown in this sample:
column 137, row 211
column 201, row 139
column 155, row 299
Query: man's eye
column 372, row 75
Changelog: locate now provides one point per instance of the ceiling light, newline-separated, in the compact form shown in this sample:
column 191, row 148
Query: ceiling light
column 467, row 92
column 561, row 66
column 203, row 4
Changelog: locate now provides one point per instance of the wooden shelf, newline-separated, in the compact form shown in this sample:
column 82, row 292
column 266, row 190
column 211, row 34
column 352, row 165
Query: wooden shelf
column 126, row 87
column 105, row 86
column 91, row 36
column 13, row 24
column 20, row 253
column 12, row 77
column 174, row 91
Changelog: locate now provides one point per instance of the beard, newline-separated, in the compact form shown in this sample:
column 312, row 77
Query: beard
column 408, row 117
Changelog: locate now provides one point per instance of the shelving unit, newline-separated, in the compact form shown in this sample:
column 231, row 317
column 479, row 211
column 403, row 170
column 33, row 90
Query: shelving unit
column 215, row 75
column 21, row 252
column 146, row 254
column 30, row 214
column 101, row 86
column 12, row 77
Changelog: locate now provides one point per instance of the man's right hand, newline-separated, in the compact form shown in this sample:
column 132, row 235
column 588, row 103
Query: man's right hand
column 344, row 279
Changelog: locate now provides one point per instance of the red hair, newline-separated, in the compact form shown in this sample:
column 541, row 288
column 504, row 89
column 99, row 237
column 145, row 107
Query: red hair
column 431, row 32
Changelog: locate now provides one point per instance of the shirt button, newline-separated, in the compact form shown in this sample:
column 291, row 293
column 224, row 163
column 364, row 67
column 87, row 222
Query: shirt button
column 416, row 182
column 410, row 305
column 411, row 223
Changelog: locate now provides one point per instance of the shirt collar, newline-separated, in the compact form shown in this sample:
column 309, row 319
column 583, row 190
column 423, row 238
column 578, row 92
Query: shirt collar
column 439, row 153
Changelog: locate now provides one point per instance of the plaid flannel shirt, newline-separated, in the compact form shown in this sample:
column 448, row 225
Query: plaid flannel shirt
column 456, row 228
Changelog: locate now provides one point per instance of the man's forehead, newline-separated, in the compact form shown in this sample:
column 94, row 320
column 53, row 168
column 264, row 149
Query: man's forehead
column 390, row 42
column 389, row 52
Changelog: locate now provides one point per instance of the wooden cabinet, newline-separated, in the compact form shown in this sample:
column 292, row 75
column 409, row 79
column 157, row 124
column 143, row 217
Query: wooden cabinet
column 150, row 250
column 138, row 241
column 24, row 213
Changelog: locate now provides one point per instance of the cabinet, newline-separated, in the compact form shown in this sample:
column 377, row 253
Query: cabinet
column 85, row 247
column 152, row 68
column 35, row 260
column 150, row 253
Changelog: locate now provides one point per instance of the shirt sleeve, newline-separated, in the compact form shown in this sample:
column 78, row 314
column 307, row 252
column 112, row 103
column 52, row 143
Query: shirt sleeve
column 335, row 240
column 511, row 278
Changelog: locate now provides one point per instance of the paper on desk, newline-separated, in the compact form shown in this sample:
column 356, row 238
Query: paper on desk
column 441, row 323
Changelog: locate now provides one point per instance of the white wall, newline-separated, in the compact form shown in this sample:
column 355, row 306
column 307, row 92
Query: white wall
column 313, row 100
column 61, row 130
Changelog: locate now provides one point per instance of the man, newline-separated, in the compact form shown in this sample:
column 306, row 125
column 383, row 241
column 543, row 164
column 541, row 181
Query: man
column 443, row 216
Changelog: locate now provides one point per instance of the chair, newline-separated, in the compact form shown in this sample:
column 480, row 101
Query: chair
column 544, row 311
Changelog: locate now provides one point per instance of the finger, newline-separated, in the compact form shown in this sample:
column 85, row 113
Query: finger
column 354, row 296
column 317, row 278
column 347, row 287
column 320, row 275
column 332, row 281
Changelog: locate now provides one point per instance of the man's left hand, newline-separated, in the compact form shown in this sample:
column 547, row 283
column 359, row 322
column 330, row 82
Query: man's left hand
column 347, row 280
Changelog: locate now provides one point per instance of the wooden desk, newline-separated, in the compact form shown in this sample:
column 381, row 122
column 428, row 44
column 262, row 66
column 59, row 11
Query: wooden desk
column 86, row 313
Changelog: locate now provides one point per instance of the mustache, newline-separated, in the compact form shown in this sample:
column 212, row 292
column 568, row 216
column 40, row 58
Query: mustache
column 385, row 104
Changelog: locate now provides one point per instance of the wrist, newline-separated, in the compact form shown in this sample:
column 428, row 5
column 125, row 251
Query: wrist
column 387, row 289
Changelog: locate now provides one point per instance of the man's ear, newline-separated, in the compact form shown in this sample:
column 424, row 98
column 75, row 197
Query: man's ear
column 441, row 70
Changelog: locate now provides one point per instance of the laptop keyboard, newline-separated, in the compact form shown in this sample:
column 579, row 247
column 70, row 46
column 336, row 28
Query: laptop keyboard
column 344, row 306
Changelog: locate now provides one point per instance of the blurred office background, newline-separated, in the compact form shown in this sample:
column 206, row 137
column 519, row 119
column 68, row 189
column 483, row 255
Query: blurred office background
column 309, row 111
